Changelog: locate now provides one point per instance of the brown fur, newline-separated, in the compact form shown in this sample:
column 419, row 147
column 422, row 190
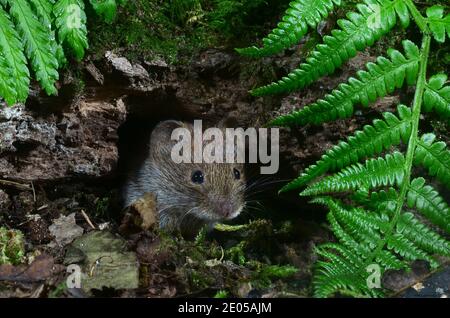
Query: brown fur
column 182, row 204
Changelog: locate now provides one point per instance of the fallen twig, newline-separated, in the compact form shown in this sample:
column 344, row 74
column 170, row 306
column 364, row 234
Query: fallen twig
column 17, row 185
column 88, row 220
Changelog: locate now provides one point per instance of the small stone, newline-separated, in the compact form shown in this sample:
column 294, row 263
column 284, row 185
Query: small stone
column 122, row 65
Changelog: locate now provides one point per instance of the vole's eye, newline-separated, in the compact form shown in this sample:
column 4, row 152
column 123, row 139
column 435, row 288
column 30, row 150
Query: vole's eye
column 197, row 177
column 237, row 174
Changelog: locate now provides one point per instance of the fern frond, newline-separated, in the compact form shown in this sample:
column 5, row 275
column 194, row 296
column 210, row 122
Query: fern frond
column 44, row 11
column 14, row 74
column 347, row 269
column 358, row 31
column 105, row 8
column 337, row 274
column 437, row 96
column 374, row 173
column 365, row 227
column 373, row 139
column 301, row 15
column 382, row 201
column 38, row 45
column 6, row 87
column 438, row 23
column 365, row 239
column 71, row 23
column 407, row 249
column 359, row 251
column 421, row 235
column 380, row 79
column 428, row 202
column 435, row 157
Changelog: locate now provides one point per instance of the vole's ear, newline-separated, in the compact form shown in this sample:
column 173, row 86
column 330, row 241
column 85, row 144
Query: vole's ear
column 160, row 140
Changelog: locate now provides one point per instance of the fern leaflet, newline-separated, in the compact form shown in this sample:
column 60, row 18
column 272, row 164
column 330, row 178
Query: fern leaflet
column 435, row 157
column 438, row 23
column 357, row 32
column 295, row 22
column 379, row 80
column 428, row 202
column 374, row 173
column 359, row 233
column 71, row 23
column 38, row 45
column 16, row 77
column 437, row 96
column 370, row 141
column 44, row 10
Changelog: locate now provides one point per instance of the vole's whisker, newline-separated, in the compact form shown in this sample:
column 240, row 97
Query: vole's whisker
column 258, row 181
column 169, row 207
column 253, row 206
column 183, row 217
column 267, row 182
column 264, row 183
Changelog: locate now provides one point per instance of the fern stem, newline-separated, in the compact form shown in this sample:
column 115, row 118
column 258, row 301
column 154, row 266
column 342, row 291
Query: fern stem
column 417, row 16
column 417, row 103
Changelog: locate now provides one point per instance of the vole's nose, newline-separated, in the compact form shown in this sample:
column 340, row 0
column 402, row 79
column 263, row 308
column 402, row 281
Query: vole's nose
column 224, row 208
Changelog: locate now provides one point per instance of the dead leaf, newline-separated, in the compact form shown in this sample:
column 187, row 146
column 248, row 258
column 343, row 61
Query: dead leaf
column 42, row 268
column 142, row 214
column 65, row 229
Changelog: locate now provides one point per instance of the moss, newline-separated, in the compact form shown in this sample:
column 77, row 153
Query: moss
column 221, row 294
column 176, row 29
column 12, row 246
column 101, row 206
column 218, row 268
column 265, row 274
column 236, row 253
column 58, row 291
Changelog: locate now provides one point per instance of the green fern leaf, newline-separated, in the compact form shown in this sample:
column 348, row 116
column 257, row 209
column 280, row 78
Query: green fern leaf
column 364, row 227
column 374, row 173
column 407, row 249
column 38, row 44
column 403, row 13
column 365, row 239
column 337, row 274
column 382, row 201
column 435, row 157
column 422, row 236
column 359, row 251
column 357, row 32
column 44, row 10
column 438, row 24
column 370, row 141
column 16, row 76
column 71, row 23
column 419, row 196
column 437, row 96
column 6, row 87
column 295, row 22
column 346, row 268
column 379, row 80
column 428, row 202
column 360, row 224
column 107, row 9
